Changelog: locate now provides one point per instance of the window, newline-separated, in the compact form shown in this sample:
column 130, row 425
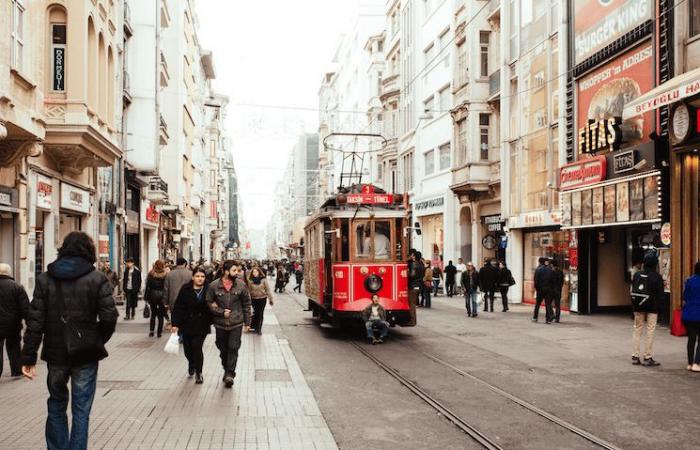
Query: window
column 429, row 54
column 429, row 162
column 17, row 35
column 445, row 156
column 407, row 161
column 462, row 141
column 58, row 57
column 444, row 39
column 429, row 104
column 694, row 19
column 484, row 136
column 380, row 171
column 484, row 53
column 380, row 46
column 462, row 71
column 363, row 241
column 212, row 178
column 379, row 83
column 445, row 99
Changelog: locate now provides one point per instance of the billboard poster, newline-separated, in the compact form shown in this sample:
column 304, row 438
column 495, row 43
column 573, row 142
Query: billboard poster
column 598, row 206
column 587, row 207
column 623, row 202
column 609, row 199
column 603, row 93
column 576, row 208
column 598, row 23
column 651, row 198
column 637, row 199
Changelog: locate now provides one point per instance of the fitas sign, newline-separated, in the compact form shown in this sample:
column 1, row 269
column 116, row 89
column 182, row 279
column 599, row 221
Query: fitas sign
column 599, row 135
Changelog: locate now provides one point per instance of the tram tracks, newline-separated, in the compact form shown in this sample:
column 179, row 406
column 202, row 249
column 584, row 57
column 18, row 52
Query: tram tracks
column 472, row 431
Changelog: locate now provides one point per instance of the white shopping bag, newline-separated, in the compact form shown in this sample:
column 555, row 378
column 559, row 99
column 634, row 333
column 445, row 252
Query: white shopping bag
column 173, row 344
column 479, row 297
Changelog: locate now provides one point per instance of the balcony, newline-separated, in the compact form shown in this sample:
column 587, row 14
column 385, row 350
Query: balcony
column 164, row 74
column 157, row 191
column 164, row 136
column 472, row 179
column 126, row 88
column 494, row 16
column 128, row 30
column 390, row 87
column 495, row 85
column 164, row 14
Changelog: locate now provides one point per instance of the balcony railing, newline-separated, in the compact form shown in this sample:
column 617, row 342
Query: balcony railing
column 157, row 190
column 127, row 20
column 126, row 87
column 495, row 83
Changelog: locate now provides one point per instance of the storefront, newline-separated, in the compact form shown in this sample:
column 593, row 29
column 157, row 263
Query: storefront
column 75, row 206
column 493, row 241
column 42, row 233
column 681, row 95
column 9, row 203
column 149, row 221
column 430, row 215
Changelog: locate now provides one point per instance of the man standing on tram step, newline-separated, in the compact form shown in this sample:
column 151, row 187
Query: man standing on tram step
column 73, row 312
column 174, row 280
column 416, row 272
column 543, row 287
column 488, row 282
column 450, row 278
column 230, row 305
column 131, row 286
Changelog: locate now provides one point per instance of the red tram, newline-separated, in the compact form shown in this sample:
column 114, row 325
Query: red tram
column 356, row 246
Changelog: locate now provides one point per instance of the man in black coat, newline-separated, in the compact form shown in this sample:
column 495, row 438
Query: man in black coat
column 557, row 286
column 450, row 274
column 14, row 307
column 648, row 287
column 416, row 272
column 73, row 312
column 488, row 282
column 132, row 286
column 544, row 279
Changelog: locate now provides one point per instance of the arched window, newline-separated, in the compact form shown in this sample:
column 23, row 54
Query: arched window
column 111, row 78
column 102, row 78
column 92, row 66
column 58, row 35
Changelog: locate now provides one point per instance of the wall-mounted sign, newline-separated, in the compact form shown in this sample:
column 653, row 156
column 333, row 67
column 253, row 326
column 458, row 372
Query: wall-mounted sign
column 624, row 161
column 582, row 173
column 428, row 204
column 489, row 242
column 598, row 23
column 59, row 69
column 103, row 246
column 685, row 89
column 44, row 192
column 75, row 199
column 681, row 126
column 493, row 222
column 151, row 215
column 600, row 135
column 666, row 234
column 606, row 91
column 5, row 199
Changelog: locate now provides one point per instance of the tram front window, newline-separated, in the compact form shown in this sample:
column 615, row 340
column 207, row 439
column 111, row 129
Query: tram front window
column 382, row 239
column 373, row 240
column 363, row 235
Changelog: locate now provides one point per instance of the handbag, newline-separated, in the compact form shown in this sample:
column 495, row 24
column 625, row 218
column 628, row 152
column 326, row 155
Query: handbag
column 677, row 327
column 80, row 342
column 146, row 311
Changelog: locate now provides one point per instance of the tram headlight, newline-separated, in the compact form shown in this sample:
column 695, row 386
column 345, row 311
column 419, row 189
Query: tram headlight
column 373, row 284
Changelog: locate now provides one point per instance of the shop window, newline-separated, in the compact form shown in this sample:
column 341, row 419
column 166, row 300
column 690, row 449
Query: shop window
column 694, row 18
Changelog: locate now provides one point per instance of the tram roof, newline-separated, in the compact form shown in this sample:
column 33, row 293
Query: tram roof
column 350, row 212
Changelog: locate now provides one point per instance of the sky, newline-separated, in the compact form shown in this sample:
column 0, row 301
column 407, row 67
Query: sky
column 269, row 52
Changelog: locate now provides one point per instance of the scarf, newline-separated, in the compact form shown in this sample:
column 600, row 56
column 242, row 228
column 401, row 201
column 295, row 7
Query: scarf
column 256, row 280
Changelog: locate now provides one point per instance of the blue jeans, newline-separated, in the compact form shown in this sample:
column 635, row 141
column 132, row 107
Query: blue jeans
column 426, row 296
column 436, row 286
column 382, row 326
column 470, row 302
column 83, row 380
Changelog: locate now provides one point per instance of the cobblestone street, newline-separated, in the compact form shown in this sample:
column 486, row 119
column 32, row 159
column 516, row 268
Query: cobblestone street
column 145, row 400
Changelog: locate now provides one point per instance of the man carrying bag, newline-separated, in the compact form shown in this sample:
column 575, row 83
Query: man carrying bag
column 73, row 312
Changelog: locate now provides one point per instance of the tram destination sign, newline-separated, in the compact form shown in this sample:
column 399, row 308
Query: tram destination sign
column 370, row 199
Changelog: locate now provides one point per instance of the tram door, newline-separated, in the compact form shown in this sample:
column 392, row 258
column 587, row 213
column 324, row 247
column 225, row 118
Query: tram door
column 328, row 242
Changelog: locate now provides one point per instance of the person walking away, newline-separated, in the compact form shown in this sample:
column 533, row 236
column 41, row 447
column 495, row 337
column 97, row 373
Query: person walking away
column 279, row 280
column 505, row 281
column 259, row 294
column 691, row 318
column 155, row 295
column 229, row 303
column 470, row 284
column 461, row 268
column 131, row 287
column 437, row 277
column 74, row 314
column 416, row 271
column 427, row 284
column 488, row 282
column 450, row 273
column 543, row 281
column 647, row 293
column 191, row 318
column 14, row 308
column 174, row 280
column 557, row 287
column 374, row 317
column 299, row 275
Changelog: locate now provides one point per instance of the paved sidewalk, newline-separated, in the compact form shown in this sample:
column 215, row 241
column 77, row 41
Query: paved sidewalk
column 145, row 400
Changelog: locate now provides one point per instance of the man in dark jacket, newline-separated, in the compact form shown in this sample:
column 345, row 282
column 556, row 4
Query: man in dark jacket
column 450, row 274
column 557, row 286
column 648, row 288
column 131, row 287
column 14, row 307
column 230, row 305
column 488, row 282
column 543, row 288
column 374, row 317
column 74, row 313
column 416, row 272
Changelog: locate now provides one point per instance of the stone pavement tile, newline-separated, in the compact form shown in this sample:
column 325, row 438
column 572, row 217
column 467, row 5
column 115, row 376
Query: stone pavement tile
column 145, row 400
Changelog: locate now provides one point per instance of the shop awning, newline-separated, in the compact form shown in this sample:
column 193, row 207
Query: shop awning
column 675, row 89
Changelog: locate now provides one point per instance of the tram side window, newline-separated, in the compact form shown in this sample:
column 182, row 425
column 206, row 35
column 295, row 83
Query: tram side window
column 382, row 239
column 345, row 241
column 398, row 256
column 363, row 240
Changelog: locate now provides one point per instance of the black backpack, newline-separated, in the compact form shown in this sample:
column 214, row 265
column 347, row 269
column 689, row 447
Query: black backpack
column 641, row 289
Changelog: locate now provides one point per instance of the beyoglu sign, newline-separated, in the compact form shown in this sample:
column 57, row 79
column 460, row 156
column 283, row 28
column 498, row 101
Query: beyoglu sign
column 582, row 173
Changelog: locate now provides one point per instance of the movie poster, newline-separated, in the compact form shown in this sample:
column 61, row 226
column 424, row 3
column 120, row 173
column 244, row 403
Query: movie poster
column 636, row 200
column 586, row 207
column 566, row 209
column 598, row 206
column 609, row 193
column 651, row 198
column 576, row 208
column 623, row 202
column 605, row 92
